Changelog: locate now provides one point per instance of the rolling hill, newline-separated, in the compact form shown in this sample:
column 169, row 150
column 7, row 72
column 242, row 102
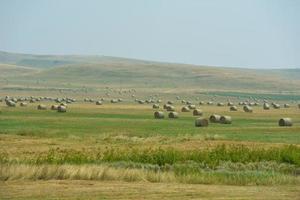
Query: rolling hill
column 74, row 71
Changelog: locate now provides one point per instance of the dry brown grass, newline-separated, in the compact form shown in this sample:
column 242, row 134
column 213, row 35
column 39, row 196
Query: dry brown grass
column 20, row 146
column 143, row 173
column 81, row 172
column 65, row 189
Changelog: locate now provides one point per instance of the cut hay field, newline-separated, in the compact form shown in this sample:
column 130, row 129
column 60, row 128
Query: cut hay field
column 120, row 151
column 142, row 190
column 98, row 148
column 134, row 120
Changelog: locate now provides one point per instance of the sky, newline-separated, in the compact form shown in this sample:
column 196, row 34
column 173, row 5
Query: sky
column 233, row 33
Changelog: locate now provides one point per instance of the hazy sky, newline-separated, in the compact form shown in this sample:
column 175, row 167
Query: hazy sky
column 240, row 33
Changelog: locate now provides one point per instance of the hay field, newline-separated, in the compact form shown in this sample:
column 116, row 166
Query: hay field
column 120, row 151
column 122, row 145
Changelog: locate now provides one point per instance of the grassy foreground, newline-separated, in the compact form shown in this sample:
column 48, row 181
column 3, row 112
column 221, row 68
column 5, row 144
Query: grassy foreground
column 63, row 189
column 92, row 151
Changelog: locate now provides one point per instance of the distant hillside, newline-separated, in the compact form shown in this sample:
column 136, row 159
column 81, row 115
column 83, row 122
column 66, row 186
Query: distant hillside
column 9, row 71
column 48, row 61
column 38, row 61
column 291, row 74
column 100, row 71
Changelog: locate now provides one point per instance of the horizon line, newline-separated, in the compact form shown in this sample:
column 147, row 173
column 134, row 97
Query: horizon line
column 147, row 60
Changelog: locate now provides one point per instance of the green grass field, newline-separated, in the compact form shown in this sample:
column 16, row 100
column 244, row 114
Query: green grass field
column 117, row 143
column 89, row 120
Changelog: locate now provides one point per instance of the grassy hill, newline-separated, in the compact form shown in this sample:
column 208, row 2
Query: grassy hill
column 75, row 71
column 9, row 71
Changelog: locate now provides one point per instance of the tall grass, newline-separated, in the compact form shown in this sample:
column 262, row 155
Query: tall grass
column 108, row 172
column 158, row 156
column 233, row 164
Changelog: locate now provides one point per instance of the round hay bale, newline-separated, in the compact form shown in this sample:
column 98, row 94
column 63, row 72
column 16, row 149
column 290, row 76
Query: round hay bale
column 191, row 106
column 173, row 115
column 61, row 109
column 170, row 102
column 220, row 104
column 233, row 108
column 54, row 107
column 230, row 104
column 165, row 106
column 201, row 122
column 266, row 106
column 183, row 101
column 225, row 119
column 170, row 108
column 185, row 109
column 276, row 106
column 141, row 101
column 214, row 118
column 189, row 103
column 10, row 103
column 251, row 104
column 159, row 115
column 114, row 101
column 248, row 109
column 286, row 105
column 285, row 122
column 197, row 112
column 155, row 106
column 98, row 102
column 201, row 103
column 42, row 107
column 210, row 103
column 23, row 104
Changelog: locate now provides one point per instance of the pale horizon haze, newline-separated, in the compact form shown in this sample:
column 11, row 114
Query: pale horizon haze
column 232, row 33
